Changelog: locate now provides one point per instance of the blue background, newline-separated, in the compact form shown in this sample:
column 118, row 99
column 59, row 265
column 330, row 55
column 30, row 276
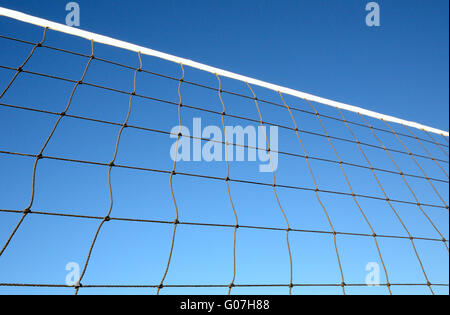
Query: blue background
column 320, row 47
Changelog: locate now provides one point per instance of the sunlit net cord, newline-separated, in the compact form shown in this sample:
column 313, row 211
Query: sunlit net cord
column 316, row 190
column 428, row 152
column 107, row 217
column 176, row 221
column 228, row 185
column 365, row 217
column 274, row 188
column 274, row 185
column 19, row 70
column 229, row 92
column 391, row 206
column 354, row 197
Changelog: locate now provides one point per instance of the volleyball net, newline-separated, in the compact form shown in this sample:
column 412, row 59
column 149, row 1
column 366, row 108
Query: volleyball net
column 127, row 170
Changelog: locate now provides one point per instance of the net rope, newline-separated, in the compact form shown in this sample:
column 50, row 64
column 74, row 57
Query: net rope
column 275, row 186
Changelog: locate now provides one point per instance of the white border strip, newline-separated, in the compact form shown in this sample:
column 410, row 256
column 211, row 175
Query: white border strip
column 146, row 51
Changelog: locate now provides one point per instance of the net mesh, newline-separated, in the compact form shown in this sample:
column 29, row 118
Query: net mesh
column 92, row 126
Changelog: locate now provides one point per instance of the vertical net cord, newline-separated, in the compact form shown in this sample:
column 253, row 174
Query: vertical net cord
column 428, row 152
column 381, row 186
column 406, row 183
column 387, row 198
column 19, row 70
column 274, row 189
column 383, row 190
column 414, row 195
column 317, row 192
column 418, row 165
column 353, row 193
column 437, row 143
column 111, row 165
column 410, row 237
column 228, row 186
column 176, row 221
column 40, row 155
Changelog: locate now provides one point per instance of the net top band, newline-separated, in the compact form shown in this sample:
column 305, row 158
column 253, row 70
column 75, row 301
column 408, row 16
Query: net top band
column 147, row 51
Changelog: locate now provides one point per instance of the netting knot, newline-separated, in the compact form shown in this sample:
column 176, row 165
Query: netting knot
column 173, row 173
column 374, row 235
column 343, row 284
column 237, row 226
column 180, row 134
column 388, row 284
column 444, row 240
column 232, row 285
column 20, row 69
column 429, row 283
column 39, row 157
column 62, row 114
column 112, row 164
column 227, row 179
column 107, row 218
column 176, row 222
column 39, row 45
column 223, row 113
column 80, row 82
column 133, row 93
column 27, row 210
column 291, row 285
column 77, row 285
column 160, row 286
column 125, row 125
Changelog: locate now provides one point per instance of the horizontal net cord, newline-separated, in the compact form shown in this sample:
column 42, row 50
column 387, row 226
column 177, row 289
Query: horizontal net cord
column 220, row 225
column 146, row 51
column 172, row 173
column 434, row 142
column 106, row 122
column 220, row 113
column 221, row 179
column 154, row 286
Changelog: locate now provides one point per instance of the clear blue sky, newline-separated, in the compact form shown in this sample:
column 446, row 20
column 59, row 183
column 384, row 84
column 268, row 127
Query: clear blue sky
column 319, row 47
